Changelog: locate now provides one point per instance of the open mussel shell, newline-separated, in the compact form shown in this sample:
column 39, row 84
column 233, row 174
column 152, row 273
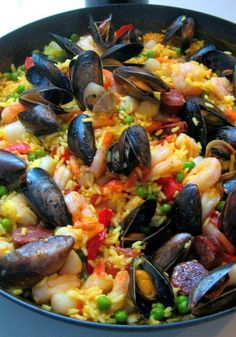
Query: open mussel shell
column 71, row 48
column 186, row 211
column 227, row 218
column 28, row 265
column 103, row 33
column 123, row 52
column 173, row 251
column 148, row 285
column 40, row 120
column 187, row 33
column 132, row 224
column 214, row 281
column 92, row 93
column 228, row 134
column 81, row 140
column 139, row 82
column 48, row 69
column 174, row 27
column 11, row 168
column 133, row 35
column 218, row 60
column 230, row 185
column 87, row 68
column 45, row 198
column 197, row 56
column 34, row 76
column 113, row 159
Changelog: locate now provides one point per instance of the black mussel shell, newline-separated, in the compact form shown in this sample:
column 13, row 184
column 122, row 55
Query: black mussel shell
column 34, row 76
column 228, row 134
column 197, row 56
column 174, row 27
column 123, row 52
column 71, row 48
column 218, row 60
column 228, row 216
column 102, row 34
column 11, row 168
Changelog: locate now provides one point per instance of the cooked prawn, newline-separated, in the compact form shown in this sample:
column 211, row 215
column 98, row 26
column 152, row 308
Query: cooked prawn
column 98, row 165
column 221, row 86
column 161, row 152
column 10, row 113
column 209, row 200
column 103, row 281
column 119, row 291
column 171, row 165
column 205, row 174
column 187, row 143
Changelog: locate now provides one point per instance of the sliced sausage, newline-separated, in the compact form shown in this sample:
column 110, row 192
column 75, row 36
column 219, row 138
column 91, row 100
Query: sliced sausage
column 208, row 251
column 31, row 233
column 172, row 102
column 187, row 275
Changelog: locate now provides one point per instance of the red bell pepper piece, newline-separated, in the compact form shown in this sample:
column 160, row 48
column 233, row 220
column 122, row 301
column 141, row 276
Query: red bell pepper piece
column 22, row 148
column 94, row 244
column 29, row 62
column 229, row 258
column 104, row 216
column 170, row 186
column 123, row 29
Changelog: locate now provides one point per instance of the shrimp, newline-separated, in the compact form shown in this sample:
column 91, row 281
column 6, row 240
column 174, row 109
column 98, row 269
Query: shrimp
column 53, row 284
column 221, row 86
column 188, row 143
column 103, row 281
column 205, row 174
column 10, row 113
column 188, row 77
column 209, row 200
column 161, row 152
column 171, row 165
column 119, row 292
column 61, row 176
column 98, row 165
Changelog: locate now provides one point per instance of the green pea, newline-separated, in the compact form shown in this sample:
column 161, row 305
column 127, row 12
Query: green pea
column 157, row 313
column 6, row 224
column 189, row 165
column 183, row 307
column 151, row 197
column 31, row 156
column 20, row 89
column 159, row 305
column 220, row 205
column 103, row 303
column 142, row 191
column 121, row 316
column 178, row 52
column 165, row 208
column 14, row 76
column 150, row 54
column 129, row 120
column 179, row 177
column 39, row 153
column 74, row 37
column 3, row 190
column 181, row 298
column 64, row 127
column 7, row 76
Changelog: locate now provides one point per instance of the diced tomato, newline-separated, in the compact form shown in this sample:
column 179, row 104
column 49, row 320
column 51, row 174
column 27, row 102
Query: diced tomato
column 170, row 186
column 29, row 62
column 123, row 29
column 104, row 216
column 114, row 186
column 229, row 258
column 66, row 155
column 22, row 148
column 107, row 78
column 128, row 252
column 94, row 244
column 99, row 268
column 230, row 114
column 111, row 270
column 95, row 200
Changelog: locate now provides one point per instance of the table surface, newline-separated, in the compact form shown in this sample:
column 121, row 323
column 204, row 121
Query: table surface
column 22, row 12
column 26, row 11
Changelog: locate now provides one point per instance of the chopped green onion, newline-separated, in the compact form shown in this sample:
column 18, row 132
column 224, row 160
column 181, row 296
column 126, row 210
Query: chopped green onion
column 178, row 52
column 20, row 89
column 150, row 54
column 189, row 165
column 220, row 205
column 64, row 126
column 179, row 177
column 13, row 96
column 129, row 119
column 39, row 153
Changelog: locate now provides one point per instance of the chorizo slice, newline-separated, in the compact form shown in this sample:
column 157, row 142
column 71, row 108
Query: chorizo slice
column 31, row 233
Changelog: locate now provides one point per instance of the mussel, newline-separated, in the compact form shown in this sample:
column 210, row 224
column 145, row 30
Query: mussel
column 186, row 212
column 139, row 82
column 187, row 26
column 34, row 76
column 148, row 285
column 11, row 168
column 227, row 134
column 132, row 35
column 103, row 33
column 45, row 198
column 227, row 218
column 219, row 61
column 70, row 47
column 81, row 140
column 132, row 224
column 173, row 251
column 40, row 120
column 29, row 264
column 197, row 56
column 86, row 69
column 132, row 149
column 214, row 292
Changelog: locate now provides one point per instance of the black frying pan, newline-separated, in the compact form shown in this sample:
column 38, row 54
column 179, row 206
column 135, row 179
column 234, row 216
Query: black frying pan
column 14, row 47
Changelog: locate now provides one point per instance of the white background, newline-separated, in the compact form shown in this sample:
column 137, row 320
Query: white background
column 16, row 13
